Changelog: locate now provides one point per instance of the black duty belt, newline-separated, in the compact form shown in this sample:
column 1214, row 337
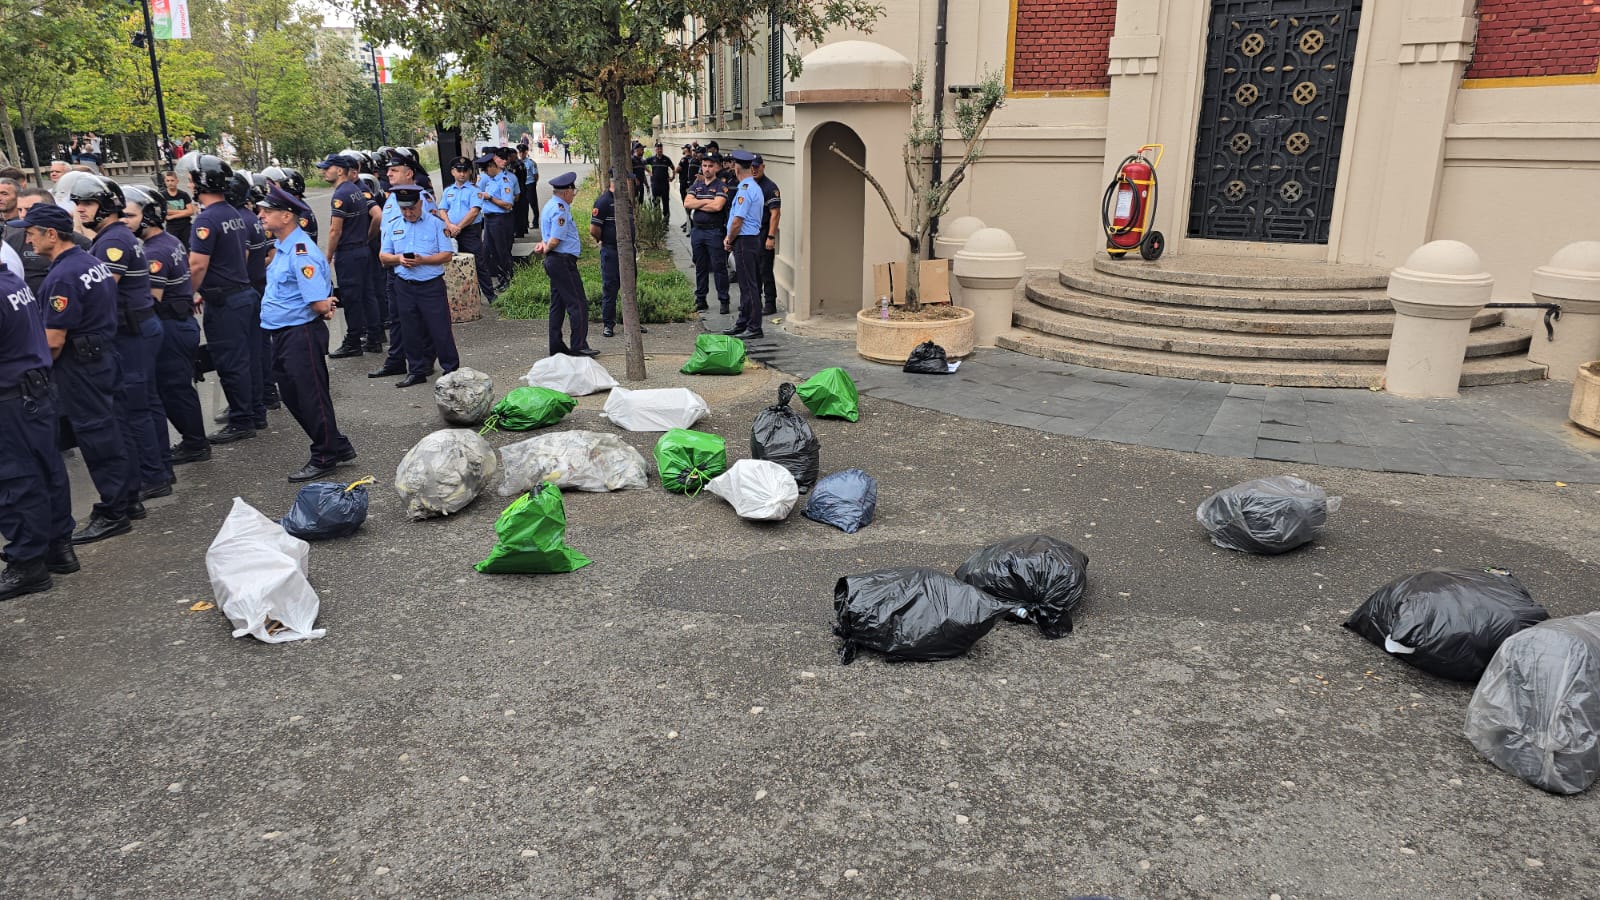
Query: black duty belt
column 133, row 318
column 33, row 384
column 223, row 289
column 175, row 310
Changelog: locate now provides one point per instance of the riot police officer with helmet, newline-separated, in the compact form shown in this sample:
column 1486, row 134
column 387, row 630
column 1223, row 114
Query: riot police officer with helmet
column 218, row 265
column 292, row 181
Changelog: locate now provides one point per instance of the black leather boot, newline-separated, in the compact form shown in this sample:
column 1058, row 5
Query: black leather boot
column 24, row 578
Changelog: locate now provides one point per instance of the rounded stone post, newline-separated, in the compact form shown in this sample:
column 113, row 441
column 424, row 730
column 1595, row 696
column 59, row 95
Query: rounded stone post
column 953, row 235
column 1572, row 279
column 988, row 269
column 1435, row 295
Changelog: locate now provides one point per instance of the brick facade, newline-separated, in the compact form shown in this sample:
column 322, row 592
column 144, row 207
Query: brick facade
column 1062, row 45
column 1533, row 38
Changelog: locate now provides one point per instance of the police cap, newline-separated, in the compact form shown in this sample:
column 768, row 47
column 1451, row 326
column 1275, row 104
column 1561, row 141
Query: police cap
column 278, row 198
column 340, row 160
column 485, row 159
column 564, row 180
column 46, row 215
column 405, row 197
column 461, row 164
column 743, row 158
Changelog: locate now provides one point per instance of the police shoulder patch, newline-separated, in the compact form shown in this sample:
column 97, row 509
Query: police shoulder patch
column 155, row 267
column 308, row 271
column 202, row 233
column 300, row 250
column 58, row 303
column 304, row 223
column 338, row 204
column 561, row 220
column 114, row 253
column 595, row 212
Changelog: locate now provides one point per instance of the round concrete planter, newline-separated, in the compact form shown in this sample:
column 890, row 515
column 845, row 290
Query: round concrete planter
column 1585, row 409
column 887, row 341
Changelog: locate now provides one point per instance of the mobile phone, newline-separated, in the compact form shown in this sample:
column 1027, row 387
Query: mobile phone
column 409, row 255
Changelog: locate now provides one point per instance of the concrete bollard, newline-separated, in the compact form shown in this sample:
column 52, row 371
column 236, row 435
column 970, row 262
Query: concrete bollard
column 1435, row 295
column 988, row 269
column 953, row 235
column 1572, row 279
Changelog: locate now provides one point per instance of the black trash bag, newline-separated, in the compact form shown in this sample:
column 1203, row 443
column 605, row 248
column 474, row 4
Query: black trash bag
column 927, row 358
column 1536, row 713
column 1448, row 622
column 324, row 510
column 846, row 500
column 1267, row 515
column 1040, row 577
column 912, row 613
column 781, row 435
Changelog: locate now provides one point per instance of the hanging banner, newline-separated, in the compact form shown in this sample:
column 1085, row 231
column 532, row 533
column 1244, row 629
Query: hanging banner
column 383, row 69
column 170, row 19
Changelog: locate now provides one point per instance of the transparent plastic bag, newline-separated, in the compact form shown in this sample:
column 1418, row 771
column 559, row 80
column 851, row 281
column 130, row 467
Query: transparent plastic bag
column 444, row 472
column 260, row 578
column 575, row 376
column 572, row 461
column 464, row 397
column 1267, row 515
column 758, row 489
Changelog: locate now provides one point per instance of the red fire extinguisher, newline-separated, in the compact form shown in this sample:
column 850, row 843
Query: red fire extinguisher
column 1130, row 206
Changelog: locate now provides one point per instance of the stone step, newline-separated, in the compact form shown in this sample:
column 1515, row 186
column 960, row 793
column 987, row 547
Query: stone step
column 1086, row 276
column 1286, row 373
column 1203, row 270
column 1047, row 290
column 1492, row 341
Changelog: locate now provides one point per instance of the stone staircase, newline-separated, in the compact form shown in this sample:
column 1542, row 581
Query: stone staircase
column 1240, row 321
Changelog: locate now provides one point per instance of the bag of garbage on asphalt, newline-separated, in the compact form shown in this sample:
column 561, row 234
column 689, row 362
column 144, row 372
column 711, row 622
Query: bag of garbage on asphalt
column 846, row 500
column 572, row 461
column 527, row 408
column 326, row 510
column 1536, row 713
column 688, row 460
column 831, row 394
column 1267, row 515
column 444, row 472
column 464, row 397
column 758, row 489
column 715, row 354
column 783, row 436
column 575, row 376
column 927, row 358
column 654, row 409
column 1041, row 578
column 1448, row 622
column 531, row 537
column 260, row 577
column 911, row 613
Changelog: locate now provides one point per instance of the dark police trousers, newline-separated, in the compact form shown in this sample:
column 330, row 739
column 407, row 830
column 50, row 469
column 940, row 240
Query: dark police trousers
column 378, row 299
column 470, row 240
column 497, row 235
column 399, row 346
column 424, row 309
column 300, row 363
column 231, row 325
column 85, row 387
column 180, row 344
column 566, row 298
column 709, row 259
column 769, row 283
column 747, row 260
column 139, row 412
column 353, row 267
column 610, row 284
column 269, row 387
column 35, row 498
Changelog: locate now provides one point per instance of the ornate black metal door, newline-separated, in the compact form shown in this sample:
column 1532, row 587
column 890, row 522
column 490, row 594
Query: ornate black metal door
column 1271, row 120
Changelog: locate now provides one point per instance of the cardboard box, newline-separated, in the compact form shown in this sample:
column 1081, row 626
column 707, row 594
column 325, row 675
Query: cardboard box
column 935, row 286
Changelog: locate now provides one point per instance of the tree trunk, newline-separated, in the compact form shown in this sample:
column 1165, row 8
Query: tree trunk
column 127, row 157
column 914, row 278
column 13, row 156
column 617, row 131
column 33, row 150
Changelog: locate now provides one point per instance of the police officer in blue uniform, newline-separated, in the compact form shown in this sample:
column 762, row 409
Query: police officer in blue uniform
column 603, row 228
column 353, row 221
column 35, row 498
column 299, row 300
column 80, row 297
column 380, row 294
column 462, row 211
column 707, row 203
column 744, row 239
column 100, row 203
column 561, row 249
column 769, row 237
column 173, row 293
column 402, row 169
column 218, row 264
column 498, row 193
column 417, row 249
column 292, row 181
column 242, row 195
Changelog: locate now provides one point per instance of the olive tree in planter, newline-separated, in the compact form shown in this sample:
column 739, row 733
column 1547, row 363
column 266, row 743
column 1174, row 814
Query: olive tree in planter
column 884, row 339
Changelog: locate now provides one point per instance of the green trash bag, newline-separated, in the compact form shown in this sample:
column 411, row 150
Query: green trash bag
column 715, row 354
column 830, row 394
column 528, row 407
column 530, row 537
column 688, row 459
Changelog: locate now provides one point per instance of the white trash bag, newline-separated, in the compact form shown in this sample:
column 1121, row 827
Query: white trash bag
column 655, row 409
column 444, row 472
column 758, row 489
column 258, row 575
column 574, row 376
column 572, row 461
column 464, row 396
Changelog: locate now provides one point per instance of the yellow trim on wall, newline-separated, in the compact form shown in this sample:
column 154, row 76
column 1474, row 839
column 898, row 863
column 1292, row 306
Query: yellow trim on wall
column 1011, row 67
column 1520, row 81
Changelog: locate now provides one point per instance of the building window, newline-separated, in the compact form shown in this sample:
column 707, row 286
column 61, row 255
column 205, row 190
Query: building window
column 775, row 56
column 712, row 76
column 736, row 66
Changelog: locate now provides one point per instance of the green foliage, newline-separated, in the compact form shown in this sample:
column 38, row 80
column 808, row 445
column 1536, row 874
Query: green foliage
column 402, row 114
column 663, row 296
column 118, row 95
column 650, row 227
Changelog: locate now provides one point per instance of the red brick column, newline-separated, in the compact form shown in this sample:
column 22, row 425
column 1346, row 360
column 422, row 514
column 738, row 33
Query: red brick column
column 1061, row 46
column 1536, row 38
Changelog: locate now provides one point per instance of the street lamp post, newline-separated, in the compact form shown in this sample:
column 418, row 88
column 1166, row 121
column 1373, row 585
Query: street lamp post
column 148, row 38
column 377, row 85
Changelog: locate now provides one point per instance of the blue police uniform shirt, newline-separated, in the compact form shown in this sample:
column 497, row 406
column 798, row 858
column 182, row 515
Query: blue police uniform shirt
column 531, row 173
column 501, row 187
column 556, row 224
column 459, row 199
column 604, row 214
column 23, row 347
column 220, row 233
column 424, row 238
column 392, row 213
column 296, row 278
column 256, row 244
column 351, row 204
column 169, row 268
column 80, row 296
column 122, row 253
column 748, row 206
column 709, row 190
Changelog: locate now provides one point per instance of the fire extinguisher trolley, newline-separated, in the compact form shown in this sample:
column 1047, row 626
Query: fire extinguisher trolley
column 1130, row 206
